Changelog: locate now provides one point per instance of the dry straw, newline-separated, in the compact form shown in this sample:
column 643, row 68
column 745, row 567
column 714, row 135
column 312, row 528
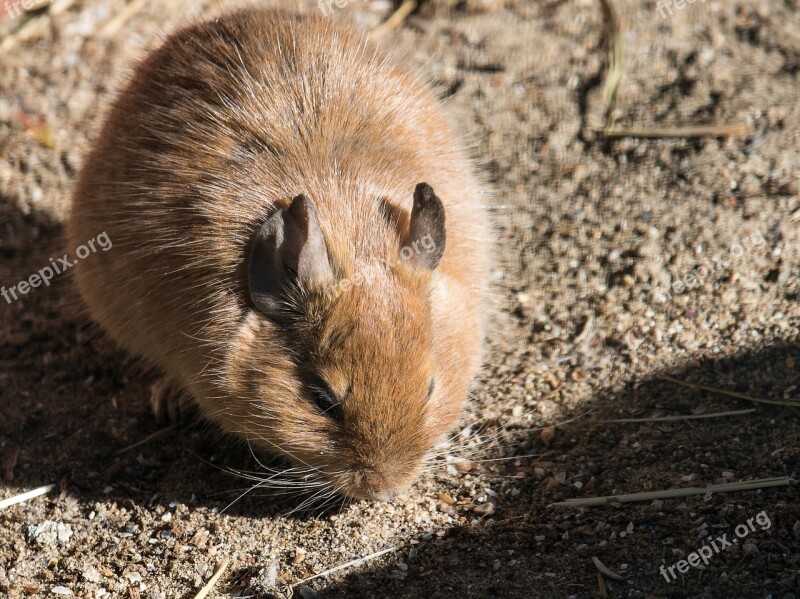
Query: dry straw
column 748, row 485
column 613, row 35
column 5, row 503
column 213, row 580
column 790, row 403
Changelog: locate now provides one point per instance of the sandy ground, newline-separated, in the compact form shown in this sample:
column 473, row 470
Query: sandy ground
column 618, row 262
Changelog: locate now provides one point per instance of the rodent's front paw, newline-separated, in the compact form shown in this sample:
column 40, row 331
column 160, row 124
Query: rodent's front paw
column 166, row 401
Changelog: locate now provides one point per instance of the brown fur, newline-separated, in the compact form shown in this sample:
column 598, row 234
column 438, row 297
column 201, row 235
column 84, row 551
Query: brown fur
column 224, row 124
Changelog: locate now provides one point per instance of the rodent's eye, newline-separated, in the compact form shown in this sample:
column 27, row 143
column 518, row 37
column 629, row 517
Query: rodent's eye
column 431, row 387
column 325, row 399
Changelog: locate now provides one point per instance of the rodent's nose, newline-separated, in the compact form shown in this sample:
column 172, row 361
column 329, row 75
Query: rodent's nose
column 374, row 486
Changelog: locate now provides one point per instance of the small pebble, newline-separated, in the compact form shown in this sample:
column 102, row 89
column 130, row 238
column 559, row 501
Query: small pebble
column 445, row 498
column 50, row 533
column 91, row 574
column 463, row 465
column 547, row 435
column 750, row 548
column 553, row 382
column 307, row 592
column 268, row 577
column 59, row 590
column 579, row 374
column 200, row 538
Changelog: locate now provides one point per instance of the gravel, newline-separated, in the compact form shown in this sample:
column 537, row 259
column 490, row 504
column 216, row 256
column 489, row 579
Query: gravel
column 598, row 286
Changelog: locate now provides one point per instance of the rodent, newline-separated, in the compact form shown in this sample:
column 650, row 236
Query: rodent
column 300, row 243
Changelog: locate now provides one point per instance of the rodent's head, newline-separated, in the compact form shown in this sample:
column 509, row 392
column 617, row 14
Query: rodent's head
column 356, row 398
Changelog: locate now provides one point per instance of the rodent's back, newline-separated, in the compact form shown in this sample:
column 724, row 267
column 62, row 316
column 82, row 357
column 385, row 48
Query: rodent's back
column 227, row 122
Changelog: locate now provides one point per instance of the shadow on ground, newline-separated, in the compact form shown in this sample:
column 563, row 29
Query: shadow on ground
column 495, row 557
column 70, row 403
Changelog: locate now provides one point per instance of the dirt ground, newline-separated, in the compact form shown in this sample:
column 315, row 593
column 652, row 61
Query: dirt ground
column 618, row 262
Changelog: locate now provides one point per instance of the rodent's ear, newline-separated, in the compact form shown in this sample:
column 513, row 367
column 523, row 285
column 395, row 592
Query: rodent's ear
column 289, row 248
column 425, row 240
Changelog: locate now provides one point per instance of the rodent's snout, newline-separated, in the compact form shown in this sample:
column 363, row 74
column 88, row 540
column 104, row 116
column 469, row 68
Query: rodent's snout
column 368, row 483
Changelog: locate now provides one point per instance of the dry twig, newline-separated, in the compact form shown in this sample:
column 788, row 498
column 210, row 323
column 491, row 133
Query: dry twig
column 792, row 403
column 722, row 130
column 614, row 75
column 613, row 35
column 604, row 569
column 680, row 417
column 213, row 580
column 395, row 19
column 111, row 28
column 25, row 496
column 148, row 438
column 748, row 485
column 349, row 564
